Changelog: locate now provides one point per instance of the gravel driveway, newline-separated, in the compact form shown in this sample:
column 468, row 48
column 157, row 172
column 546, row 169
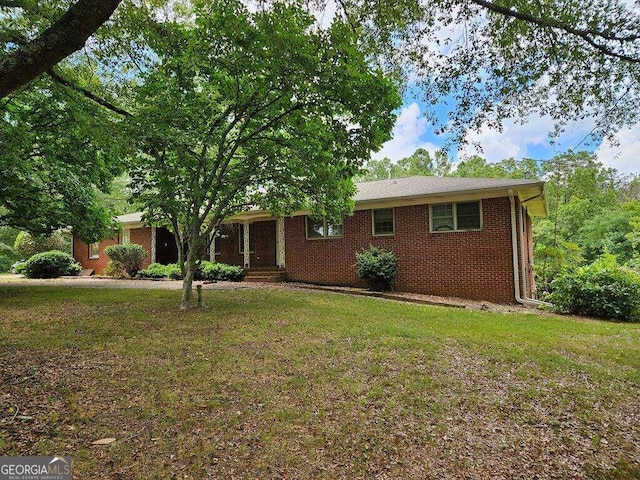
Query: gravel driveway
column 99, row 282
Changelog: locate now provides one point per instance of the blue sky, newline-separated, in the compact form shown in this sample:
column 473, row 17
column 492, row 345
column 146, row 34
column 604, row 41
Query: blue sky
column 530, row 140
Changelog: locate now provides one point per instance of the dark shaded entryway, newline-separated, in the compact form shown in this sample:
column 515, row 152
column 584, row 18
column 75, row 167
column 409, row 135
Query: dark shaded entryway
column 166, row 249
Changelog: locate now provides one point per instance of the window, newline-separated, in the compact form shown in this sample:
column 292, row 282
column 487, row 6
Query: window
column 383, row 222
column 241, row 238
column 447, row 217
column 323, row 229
column 94, row 250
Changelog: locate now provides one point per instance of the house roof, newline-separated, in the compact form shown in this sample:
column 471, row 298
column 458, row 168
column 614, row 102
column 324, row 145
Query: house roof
column 421, row 189
column 130, row 218
column 420, row 186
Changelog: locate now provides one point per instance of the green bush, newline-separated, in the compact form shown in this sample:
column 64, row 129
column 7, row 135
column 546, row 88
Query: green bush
column 155, row 270
column 219, row 271
column 27, row 245
column 49, row 265
column 73, row 270
column 603, row 289
column 113, row 269
column 379, row 267
column 19, row 267
column 206, row 271
column 128, row 256
column 173, row 271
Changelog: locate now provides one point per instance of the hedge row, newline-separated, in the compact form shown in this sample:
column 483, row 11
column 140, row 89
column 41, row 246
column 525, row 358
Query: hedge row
column 206, row 271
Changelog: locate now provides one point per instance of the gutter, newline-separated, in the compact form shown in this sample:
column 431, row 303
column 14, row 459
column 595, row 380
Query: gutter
column 528, row 302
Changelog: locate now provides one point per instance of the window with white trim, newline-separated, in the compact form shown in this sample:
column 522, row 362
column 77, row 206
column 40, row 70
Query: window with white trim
column 317, row 229
column 94, row 250
column 459, row 216
column 383, row 221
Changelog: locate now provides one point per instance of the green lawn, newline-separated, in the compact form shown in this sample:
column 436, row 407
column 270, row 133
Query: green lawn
column 285, row 384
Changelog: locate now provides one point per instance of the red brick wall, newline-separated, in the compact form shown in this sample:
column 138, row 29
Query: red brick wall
column 141, row 236
column 81, row 254
column 228, row 246
column 264, row 245
column 464, row 264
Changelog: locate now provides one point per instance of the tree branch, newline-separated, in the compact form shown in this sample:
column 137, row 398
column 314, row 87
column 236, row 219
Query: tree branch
column 60, row 40
column 586, row 35
column 88, row 94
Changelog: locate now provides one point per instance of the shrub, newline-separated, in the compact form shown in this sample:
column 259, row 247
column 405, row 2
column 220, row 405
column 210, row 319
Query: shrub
column 18, row 267
column 155, row 270
column 48, row 264
column 28, row 245
column 113, row 269
column 379, row 267
column 129, row 257
column 73, row 270
column 219, row 271
column 603, row 289
column 173, row 271
column 206, row 271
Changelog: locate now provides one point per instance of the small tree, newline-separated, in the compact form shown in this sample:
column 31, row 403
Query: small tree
column 379, row 267
column 253, row 109
column 128, row 257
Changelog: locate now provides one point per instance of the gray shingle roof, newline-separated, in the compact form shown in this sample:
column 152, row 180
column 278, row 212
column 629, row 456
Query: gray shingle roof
column 130, row 218
column 417, row 186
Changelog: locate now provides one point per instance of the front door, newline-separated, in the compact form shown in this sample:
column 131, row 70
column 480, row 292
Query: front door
column 264, row 243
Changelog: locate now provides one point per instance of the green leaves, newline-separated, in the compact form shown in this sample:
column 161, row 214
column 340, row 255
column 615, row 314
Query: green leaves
column 256, row 109
column 602, row 289
column 57, row 149
column 494, row 60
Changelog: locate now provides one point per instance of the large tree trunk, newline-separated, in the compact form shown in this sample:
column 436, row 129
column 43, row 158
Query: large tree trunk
column 60, row 40
column 195, row 249
column 187, row 282
column 180, row 247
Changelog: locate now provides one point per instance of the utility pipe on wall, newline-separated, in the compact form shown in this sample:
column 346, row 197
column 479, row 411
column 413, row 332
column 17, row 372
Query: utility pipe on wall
column 529, row 302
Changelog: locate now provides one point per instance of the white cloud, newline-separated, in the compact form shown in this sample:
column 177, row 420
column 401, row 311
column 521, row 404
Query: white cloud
column 410, row 126
column 624, row 152
column 524, row 140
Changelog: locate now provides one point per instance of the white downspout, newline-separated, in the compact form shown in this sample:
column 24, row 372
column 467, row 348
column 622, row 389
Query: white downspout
column 530, row 302
column 525, row 293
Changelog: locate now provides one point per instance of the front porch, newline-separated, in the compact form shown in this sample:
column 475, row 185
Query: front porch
column 256, row 245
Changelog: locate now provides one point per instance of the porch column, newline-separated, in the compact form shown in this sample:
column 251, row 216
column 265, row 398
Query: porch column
column 126, row 236
column 153, row 244
column 245, row 242
column 280, row 242
column 212, row 246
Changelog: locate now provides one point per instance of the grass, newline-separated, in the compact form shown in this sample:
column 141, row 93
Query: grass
column 283, row 384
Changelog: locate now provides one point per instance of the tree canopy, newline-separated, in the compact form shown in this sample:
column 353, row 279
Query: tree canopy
column 253, row 109
column 57, row 148
column 493, row 60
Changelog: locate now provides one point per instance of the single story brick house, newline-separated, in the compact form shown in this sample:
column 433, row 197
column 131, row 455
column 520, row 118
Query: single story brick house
column 464, row 237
